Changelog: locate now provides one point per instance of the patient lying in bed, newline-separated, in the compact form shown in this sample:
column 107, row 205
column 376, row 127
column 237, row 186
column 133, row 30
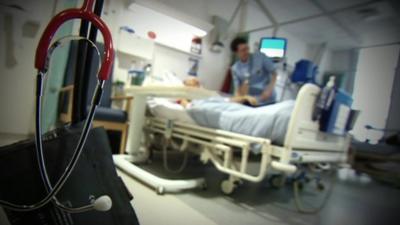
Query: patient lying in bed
column 194, row 82
column 228, row 114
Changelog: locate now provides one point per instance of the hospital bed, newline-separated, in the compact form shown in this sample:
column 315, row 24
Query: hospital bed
column 303, row 143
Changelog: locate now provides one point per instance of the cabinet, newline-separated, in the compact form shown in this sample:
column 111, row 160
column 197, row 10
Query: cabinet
column 136, row 46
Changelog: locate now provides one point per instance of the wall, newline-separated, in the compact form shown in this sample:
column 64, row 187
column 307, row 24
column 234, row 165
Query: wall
column 341, row 60
column 393, row 121
column 296, row 49
column 17, row 118
column 320, row 50
column 212, row 67
column 17, row 83
column 167, row 59
column 56, row 72
column 344, row 62
column 373, row 88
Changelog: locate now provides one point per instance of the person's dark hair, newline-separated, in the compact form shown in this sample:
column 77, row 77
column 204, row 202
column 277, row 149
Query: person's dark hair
column 236, row 42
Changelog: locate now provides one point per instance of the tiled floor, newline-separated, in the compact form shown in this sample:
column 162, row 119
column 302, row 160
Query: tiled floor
column 355, row 200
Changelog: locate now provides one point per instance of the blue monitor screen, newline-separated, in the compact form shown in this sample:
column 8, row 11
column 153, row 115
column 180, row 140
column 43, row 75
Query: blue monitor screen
column 273, row 47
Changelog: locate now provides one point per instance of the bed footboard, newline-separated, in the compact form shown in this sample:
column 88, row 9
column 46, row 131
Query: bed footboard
column 303, row 133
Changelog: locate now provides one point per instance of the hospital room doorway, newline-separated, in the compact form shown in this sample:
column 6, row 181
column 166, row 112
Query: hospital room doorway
column 373, row 84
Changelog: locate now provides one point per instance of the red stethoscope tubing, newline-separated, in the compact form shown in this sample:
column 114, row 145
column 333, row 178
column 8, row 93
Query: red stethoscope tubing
column 83, row 13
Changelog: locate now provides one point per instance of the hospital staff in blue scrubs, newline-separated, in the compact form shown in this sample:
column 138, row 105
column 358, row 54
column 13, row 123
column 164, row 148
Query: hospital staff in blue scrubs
column 254, row 75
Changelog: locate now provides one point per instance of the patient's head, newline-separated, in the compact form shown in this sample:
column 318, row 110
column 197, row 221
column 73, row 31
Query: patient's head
column 191, row 82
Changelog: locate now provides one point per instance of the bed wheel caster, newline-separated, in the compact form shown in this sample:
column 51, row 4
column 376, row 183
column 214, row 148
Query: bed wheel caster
column 160, row 190
column 227, row 187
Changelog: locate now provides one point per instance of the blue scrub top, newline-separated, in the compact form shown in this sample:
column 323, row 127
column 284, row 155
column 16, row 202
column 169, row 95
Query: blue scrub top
column 258, row 70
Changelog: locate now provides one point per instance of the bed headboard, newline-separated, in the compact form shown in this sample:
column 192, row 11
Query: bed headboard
column 303, row 133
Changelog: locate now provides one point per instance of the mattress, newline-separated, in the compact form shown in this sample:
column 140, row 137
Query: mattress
column 267, row 122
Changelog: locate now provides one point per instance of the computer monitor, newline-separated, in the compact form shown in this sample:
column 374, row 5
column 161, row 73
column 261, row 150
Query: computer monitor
column 274, row 48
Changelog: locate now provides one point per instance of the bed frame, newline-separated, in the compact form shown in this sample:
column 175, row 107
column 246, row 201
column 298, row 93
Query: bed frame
column 304, row 143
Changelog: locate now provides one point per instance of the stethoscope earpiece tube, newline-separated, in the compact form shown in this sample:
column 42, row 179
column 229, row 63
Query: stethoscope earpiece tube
column 69, row 14
column 98, row 93
column 39, row 83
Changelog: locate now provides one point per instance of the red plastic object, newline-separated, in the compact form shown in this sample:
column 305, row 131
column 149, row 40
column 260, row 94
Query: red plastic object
column 152, row 35
column 85, row 12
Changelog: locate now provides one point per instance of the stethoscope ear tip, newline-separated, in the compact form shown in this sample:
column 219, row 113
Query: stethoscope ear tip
column 103, row 203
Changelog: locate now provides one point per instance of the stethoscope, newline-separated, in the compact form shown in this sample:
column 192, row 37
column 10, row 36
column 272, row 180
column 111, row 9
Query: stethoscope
column 43, row 53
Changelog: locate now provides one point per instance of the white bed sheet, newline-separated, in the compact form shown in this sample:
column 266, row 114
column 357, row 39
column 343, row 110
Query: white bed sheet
column 168, row 109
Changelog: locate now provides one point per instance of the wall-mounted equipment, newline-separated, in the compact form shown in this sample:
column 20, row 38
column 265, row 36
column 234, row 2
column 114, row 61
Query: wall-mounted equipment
column 194, row 66
column 219, row 34
column 132, row 45
column 174, row 28
column 196, row 46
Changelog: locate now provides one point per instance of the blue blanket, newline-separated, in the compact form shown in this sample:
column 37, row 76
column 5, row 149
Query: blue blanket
column 269, row 121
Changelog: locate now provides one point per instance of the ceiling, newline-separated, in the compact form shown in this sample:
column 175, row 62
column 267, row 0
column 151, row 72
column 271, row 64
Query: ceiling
column 342, row 24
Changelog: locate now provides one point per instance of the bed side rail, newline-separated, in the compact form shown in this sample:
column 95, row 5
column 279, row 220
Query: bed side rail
column 217, row 146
